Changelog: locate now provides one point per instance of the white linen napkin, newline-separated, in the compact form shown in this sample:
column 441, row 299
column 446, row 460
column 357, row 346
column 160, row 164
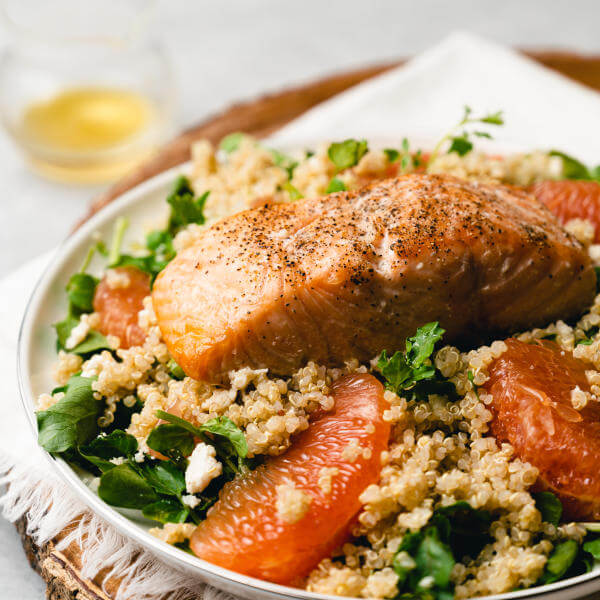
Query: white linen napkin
column 419, row 100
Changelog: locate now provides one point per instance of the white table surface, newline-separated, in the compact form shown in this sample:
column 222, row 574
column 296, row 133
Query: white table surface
column 235, row 49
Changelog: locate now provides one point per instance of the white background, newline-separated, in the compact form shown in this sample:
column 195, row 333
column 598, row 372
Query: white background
column 230, row 50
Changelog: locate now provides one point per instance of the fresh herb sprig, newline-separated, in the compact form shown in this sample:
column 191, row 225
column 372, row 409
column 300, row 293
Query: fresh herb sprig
column 460, row 138
column 186, row 208
column 344, row 155
column 411, row 373
column 408, row 159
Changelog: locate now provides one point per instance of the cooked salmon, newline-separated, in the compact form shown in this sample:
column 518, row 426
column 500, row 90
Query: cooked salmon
column 353, row 273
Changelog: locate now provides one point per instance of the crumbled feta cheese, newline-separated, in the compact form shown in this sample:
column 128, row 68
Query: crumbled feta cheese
column 77, row 335
column 203, row 466
column 118, row 460
column 139, row 456
column 190, row 500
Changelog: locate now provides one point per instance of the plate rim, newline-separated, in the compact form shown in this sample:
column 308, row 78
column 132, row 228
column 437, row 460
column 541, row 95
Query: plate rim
column 206, row 571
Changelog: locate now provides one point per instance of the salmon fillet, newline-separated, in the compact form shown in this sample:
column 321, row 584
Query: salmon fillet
column 353, row 273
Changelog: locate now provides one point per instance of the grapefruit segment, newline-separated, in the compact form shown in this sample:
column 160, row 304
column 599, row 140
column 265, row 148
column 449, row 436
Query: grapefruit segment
column 531, row 386
column 118, row 299
column 251, row 530
column 569, row 199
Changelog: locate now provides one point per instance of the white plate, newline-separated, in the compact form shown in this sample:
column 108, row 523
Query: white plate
column 144, row 206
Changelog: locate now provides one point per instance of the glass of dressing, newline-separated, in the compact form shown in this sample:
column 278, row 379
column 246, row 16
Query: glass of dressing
column 84, row 90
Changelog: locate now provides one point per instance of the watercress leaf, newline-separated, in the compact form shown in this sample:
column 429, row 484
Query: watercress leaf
column 230, row 143
column 346, row 154
column 226, row 428
column 434, row 558
column 175, row 370
column 294, row 193
column 93, row 342
column 550, row 507
column 73, row 420
column 285, row 162
column 186, row 209
column 116, row 443
column 166, row 510
column 164, row 477
column 494, row 118
column 559, row 561
column 171, row 440
column 572, row 168
column 395, row 370
column 123, row 486
column 335, row 185
column 220, row 426
column 420, row 346
column 593, row 547
column 80, row 291
column 461, row 145
column 468, row 529
column 179, row 422
column 63, row 329
column 391, row 154
column 161, row 244
column 482, row 134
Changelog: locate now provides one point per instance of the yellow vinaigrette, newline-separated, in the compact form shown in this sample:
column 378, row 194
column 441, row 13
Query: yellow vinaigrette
column 87, row 119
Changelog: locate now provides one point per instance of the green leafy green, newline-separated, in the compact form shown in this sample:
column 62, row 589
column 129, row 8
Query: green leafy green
column 230, row 143
column 165, row 477
column 171, row 441
column 166, row 510
column 124, row 487
column 466, row 528
column 593, row 547
column 461, row 145
column 425, row 558
column 116, row 444
column 335, row 185
column 434, row 558
column 346, row 154
column 219, row 426
column 412, row 369
column 294, row 193
column 391, row 154
column 550, row 507
column 287, row 163
column 575, row 169
column 185, row 207
column 175, row 370
column 458, row 139
column 559, row 561
column 93, row 342
column 73, row 420
column 80, row 292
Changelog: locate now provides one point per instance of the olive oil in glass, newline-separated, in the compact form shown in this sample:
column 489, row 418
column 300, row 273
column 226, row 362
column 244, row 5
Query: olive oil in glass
column 83, row 90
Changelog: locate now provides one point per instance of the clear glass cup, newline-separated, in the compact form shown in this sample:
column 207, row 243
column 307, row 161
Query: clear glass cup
column 84, row 89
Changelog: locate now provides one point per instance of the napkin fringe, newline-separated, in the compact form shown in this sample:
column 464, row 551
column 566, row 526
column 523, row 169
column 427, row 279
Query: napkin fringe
column 50, row 509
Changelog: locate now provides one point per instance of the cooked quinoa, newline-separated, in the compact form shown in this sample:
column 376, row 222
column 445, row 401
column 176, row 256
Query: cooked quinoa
column 440, row 451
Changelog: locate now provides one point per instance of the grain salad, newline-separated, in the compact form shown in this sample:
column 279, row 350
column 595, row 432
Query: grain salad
column 442, row 468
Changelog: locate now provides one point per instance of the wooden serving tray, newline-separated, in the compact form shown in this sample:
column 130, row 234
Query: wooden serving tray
column 62, row 570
